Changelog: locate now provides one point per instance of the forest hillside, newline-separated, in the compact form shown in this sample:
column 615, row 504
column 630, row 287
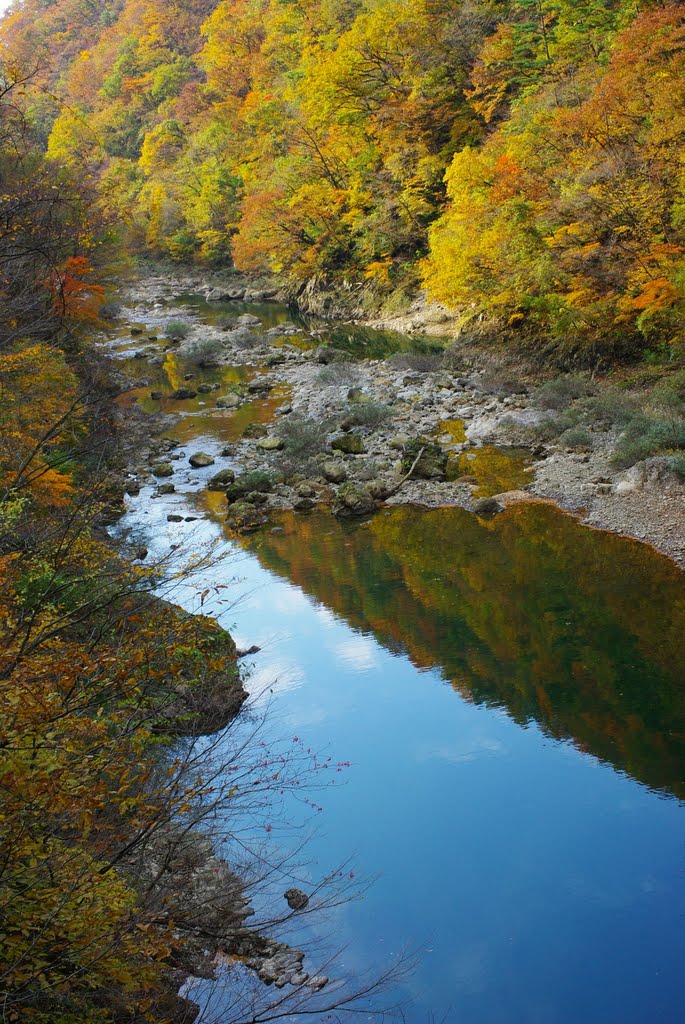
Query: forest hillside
column 522, row 160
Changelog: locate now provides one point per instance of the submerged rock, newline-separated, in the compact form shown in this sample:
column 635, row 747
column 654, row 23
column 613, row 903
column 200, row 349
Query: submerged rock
column 181, row 394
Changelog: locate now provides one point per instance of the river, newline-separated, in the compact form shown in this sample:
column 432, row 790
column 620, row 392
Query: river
column 510, row 697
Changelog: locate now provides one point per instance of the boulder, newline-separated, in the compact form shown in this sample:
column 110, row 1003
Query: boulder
column 248, row 482
column 303, row 504
column 231, row 401
column 166, row 489
column 220, row 481
column 259, row 386
column 348, row 444
column 327, row 355
column 399, row 442
column 432, row 460
column 244, row 517
column 334, row 472
column 163, row 469
column 487, row 507
column 248, row 320
column 380, row 489
column 353, row 500
column 181, row 394
column 271, row 444
column 255, row 430
column 200, row 460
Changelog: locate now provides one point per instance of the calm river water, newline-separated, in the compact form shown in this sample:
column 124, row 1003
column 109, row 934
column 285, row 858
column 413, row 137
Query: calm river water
column 510, row 697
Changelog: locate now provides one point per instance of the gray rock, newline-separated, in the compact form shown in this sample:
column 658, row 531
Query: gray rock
column 487, row 507
column 163, row 469
column 257, row 497
column 271, row 444
column 166, row 489
column 348, row 444
column 353, row 500
column 231, row 401
column 220, row 481
column 318, row 982
column 334, row 472
column 243, row 517
column 173, row 518
column 399, row 442
column 432, row 460
column 200, row 460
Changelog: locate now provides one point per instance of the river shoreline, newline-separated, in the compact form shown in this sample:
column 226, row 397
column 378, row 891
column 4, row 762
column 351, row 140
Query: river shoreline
column 645, row 502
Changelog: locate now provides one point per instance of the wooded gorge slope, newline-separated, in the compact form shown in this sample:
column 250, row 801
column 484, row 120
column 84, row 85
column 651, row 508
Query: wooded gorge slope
column 522, row 159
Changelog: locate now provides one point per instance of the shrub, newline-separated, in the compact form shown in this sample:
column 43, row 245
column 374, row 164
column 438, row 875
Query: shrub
column 226, row 323
column 420, row 362
column 205, row 351
column 255, row 480
column 645, row 436
column 550, row 428
column 177, row 330
column 576, row 437
column 369, row 414
column 304, row 439
column 502, row 384
column 453, row 357
column 561, row 392
column 338, row 374
column 677, row 464
column 609, row 409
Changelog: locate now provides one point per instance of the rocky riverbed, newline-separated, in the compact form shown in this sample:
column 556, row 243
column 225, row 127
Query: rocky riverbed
column 353, row 433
